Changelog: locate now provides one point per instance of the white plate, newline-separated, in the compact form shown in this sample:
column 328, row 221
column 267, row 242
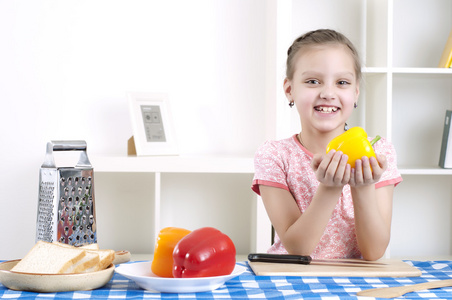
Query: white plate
column 52, row 283
column 142, row 275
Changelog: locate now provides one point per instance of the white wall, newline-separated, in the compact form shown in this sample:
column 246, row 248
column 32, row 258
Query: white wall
column 65, row 68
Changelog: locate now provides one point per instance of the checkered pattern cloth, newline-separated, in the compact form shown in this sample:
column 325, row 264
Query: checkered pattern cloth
column 249, row 286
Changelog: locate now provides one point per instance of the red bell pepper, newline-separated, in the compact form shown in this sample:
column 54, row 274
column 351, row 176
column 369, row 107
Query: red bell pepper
column 204, row 252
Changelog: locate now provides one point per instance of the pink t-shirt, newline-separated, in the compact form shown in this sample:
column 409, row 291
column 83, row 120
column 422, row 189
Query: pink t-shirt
column 286, row 164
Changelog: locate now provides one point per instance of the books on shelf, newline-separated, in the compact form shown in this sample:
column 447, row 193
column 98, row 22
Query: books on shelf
column 445, row 157
column 446, row 57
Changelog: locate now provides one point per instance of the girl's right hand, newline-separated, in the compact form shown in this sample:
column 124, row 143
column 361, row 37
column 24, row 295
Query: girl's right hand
column 332, row 169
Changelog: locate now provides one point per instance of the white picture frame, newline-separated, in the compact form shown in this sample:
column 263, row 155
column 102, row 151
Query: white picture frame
column 153, row 131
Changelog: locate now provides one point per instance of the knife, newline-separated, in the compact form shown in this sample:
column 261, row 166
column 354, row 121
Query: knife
column 307, row 260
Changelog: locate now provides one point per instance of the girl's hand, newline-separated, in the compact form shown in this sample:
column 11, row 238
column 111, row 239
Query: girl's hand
column 331, row 169
column 363, row 174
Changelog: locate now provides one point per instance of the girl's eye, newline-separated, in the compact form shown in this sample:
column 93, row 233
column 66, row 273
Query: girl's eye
column 312, row 81
column 343, row 82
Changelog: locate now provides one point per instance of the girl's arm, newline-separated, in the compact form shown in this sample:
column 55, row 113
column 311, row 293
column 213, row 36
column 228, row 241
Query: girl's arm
column 373, row 207
column 300, row 233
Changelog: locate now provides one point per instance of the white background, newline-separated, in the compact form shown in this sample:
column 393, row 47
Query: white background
column 66, row 66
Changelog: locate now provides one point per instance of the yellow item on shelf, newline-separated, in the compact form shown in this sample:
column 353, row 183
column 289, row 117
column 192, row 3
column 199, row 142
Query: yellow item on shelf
column 446, row 57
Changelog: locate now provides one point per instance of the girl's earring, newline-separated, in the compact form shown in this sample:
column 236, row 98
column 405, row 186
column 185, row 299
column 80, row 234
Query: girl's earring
column 346, row 127
column 291, row 103
column 355, row 105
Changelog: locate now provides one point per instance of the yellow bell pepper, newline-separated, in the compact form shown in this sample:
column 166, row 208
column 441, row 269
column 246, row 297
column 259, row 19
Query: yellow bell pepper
column 354, row 143
column 162, row 264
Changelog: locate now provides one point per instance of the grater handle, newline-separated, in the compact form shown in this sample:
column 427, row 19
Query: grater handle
column 68, row 145
column 49, row 161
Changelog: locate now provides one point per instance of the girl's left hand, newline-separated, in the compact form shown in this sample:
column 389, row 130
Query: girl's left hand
column 331, row 169
column 368, row 171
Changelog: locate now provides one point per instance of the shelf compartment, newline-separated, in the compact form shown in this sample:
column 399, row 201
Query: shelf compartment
column 421, row 30
column 376, row 53
column 145, row 202
column 423, row 100
column 222, row 201
column 125, row 211
column 374, row 88
column 422, row 217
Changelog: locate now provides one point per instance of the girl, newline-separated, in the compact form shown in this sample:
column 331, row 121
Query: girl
column 318, row 204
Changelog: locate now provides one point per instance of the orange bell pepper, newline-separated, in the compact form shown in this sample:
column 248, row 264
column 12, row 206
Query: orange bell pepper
column 354, row 143
column 162, row 264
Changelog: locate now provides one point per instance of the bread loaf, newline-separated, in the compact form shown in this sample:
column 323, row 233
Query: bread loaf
column 49, row 258
column 104, row 257
column 58, row 258
column 90, row 260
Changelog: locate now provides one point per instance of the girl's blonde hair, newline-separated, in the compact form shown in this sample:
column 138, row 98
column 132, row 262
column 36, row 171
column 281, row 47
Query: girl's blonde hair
column 320, row 37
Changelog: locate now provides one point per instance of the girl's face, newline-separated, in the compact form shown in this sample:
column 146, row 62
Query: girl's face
column 324, row 87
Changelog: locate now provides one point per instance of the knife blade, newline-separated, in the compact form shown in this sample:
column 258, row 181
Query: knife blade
column 307, row 260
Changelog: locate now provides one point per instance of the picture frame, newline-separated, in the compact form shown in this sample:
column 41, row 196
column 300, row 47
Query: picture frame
column 153, row 131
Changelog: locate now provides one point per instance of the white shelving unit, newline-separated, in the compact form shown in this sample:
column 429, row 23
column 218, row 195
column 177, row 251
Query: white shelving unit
column 214, row 190
column 174, row 164
column 171, row 164
column 403, row 98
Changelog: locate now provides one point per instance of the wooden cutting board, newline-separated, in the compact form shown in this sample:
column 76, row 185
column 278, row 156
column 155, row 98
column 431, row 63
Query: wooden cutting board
column 387, row 268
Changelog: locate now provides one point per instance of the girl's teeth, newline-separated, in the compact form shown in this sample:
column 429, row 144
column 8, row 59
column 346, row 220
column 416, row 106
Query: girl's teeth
column 327, row 109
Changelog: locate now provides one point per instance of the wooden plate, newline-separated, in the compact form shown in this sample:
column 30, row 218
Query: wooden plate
column 52, row 283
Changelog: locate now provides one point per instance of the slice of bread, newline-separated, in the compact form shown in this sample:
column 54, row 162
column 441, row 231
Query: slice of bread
column 49, row 258
column 90, row 247
column 104, row 258
column 90, row 260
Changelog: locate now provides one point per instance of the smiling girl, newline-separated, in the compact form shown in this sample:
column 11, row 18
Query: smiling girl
column 318, row 204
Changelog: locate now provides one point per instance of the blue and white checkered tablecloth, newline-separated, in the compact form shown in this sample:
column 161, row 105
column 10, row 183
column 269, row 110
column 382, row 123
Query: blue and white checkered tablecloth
column 249, row 286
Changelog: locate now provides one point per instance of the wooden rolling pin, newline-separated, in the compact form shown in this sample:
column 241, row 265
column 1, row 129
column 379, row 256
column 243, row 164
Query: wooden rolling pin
column 398, row 291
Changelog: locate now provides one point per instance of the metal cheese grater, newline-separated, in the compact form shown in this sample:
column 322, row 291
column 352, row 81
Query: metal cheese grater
column 66, row 211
